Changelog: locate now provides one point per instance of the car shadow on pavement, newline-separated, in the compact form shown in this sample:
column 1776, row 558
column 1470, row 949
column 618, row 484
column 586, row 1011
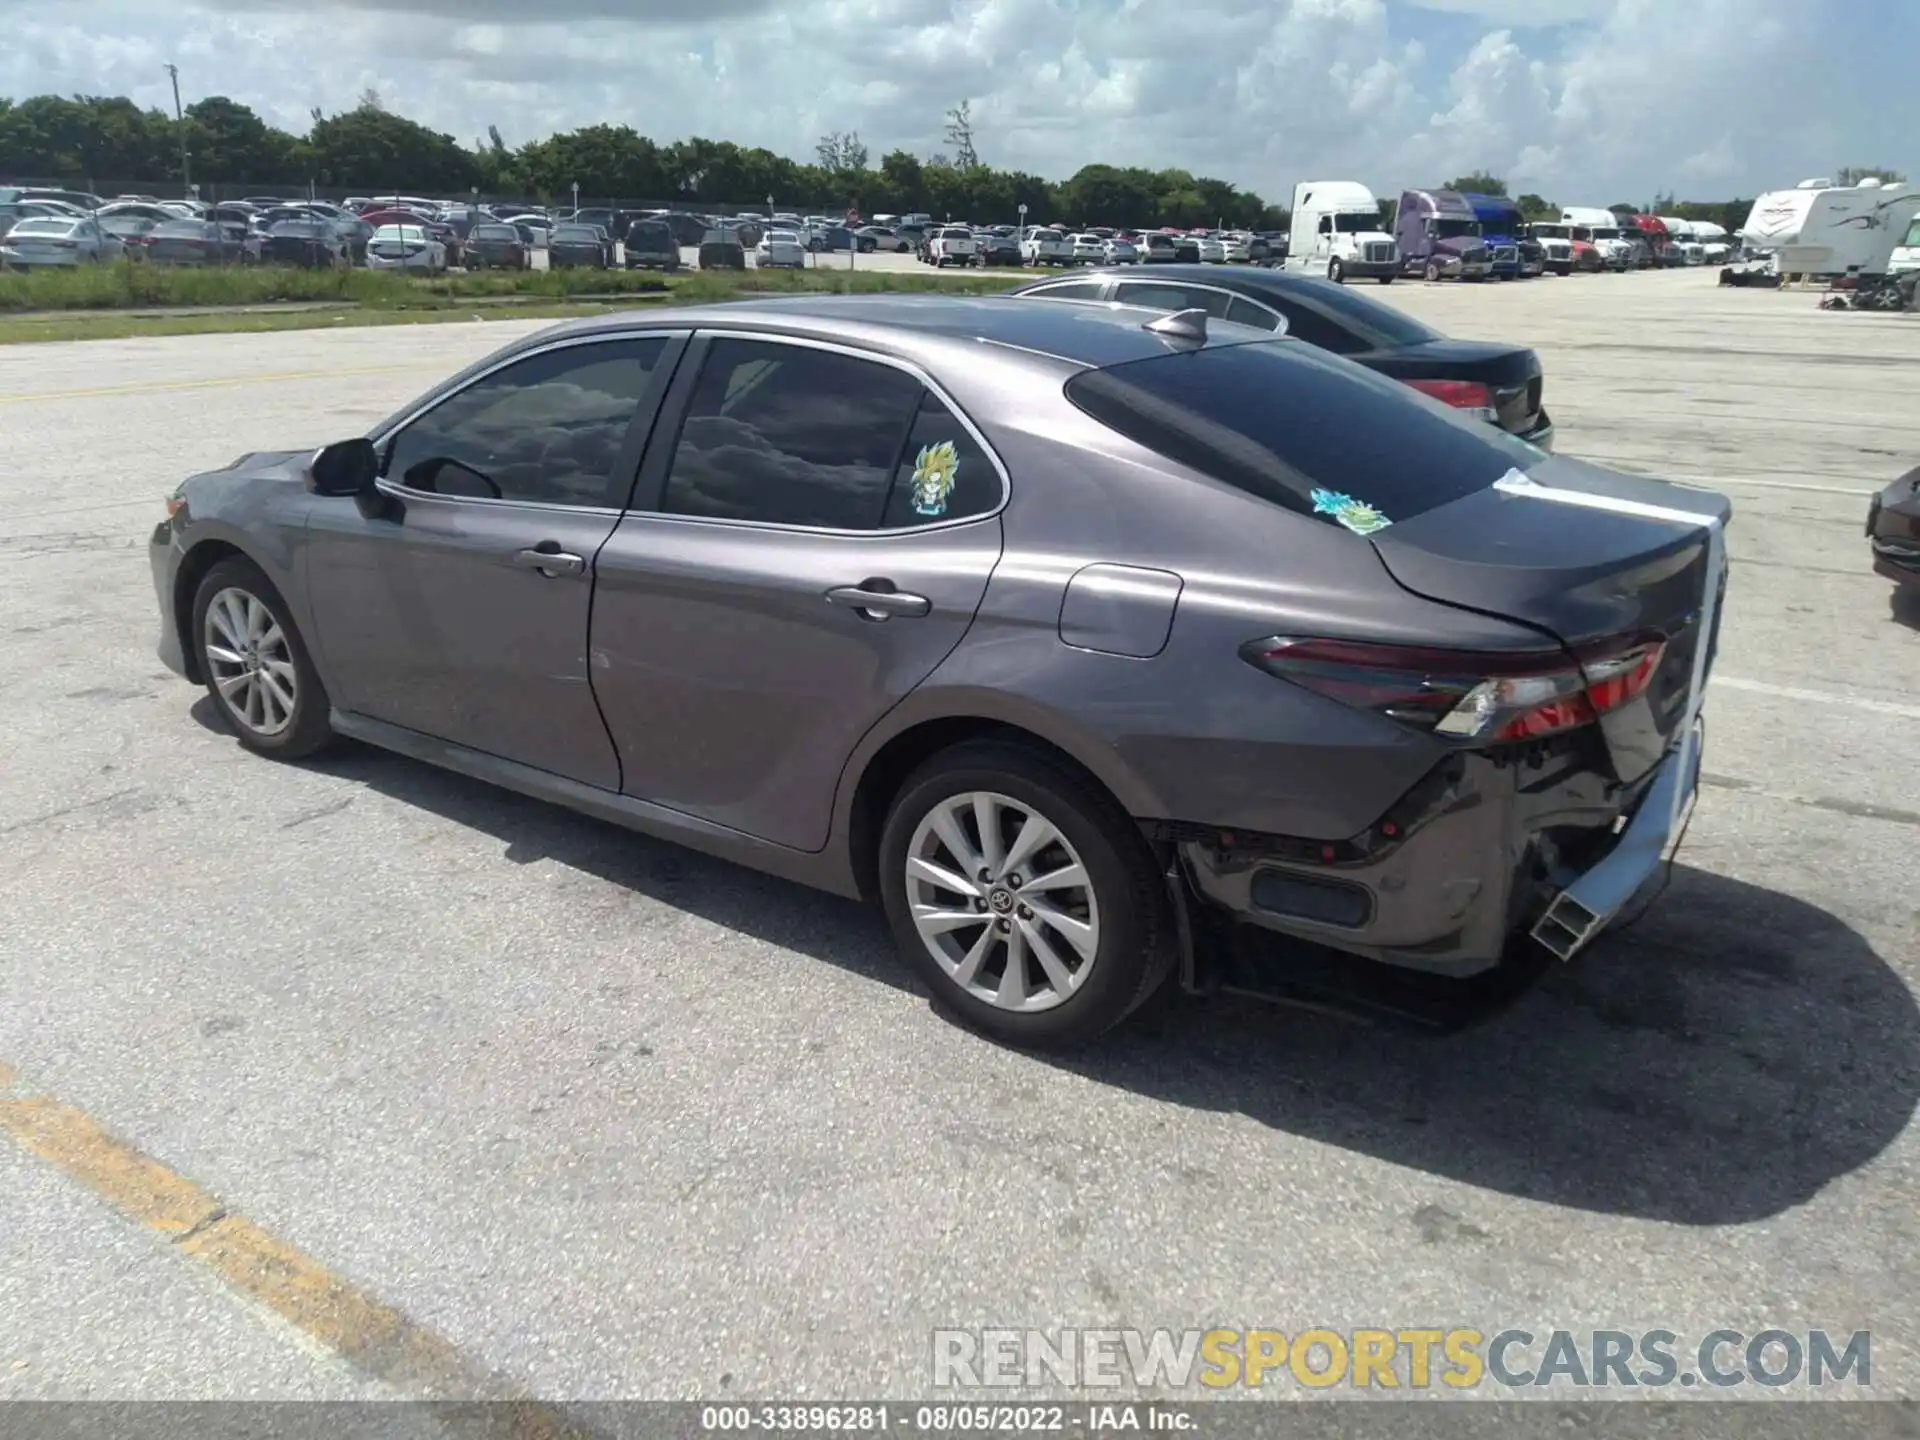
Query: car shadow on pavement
column 1719, row 1061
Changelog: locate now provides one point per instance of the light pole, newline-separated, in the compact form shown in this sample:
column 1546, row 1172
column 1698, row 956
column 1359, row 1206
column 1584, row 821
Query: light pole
column 180, row 120
column 576, row 197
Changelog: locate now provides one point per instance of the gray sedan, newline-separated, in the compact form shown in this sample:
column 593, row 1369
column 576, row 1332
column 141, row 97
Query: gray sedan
column 1074, row 635
column 57, row 241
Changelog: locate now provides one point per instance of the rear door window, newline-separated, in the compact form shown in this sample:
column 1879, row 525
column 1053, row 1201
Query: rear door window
column 1283, row 420
column 1163, row 296
column 1072, row 290
column 943, row 473
column 791, row 435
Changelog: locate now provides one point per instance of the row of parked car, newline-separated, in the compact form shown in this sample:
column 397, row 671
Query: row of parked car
column 51, row 227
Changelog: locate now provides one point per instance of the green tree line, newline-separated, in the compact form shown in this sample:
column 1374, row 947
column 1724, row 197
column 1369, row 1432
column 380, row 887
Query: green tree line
column 84, row 140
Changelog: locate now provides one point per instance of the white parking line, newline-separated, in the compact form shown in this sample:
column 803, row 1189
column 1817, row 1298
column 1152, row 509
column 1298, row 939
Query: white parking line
column 1710, row 482
column 1817, row 697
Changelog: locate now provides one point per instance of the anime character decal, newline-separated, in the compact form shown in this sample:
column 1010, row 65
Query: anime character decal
column 934, row 471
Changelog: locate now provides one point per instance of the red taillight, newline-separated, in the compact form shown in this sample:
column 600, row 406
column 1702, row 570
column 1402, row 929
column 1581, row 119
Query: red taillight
column 1460, row 394
column 1468, row 695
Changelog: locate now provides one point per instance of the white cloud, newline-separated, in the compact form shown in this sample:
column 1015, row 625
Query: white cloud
column 1640, row 95
column 1521, row 13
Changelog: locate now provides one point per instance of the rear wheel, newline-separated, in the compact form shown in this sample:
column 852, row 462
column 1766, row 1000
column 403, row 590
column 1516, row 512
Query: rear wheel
column 256, row 664
column 1024, row 896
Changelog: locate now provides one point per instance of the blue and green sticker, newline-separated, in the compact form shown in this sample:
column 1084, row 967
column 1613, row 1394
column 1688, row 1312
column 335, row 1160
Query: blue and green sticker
column 1356, row 515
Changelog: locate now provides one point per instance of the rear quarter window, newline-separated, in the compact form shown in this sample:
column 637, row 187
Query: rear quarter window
column 1280, row 419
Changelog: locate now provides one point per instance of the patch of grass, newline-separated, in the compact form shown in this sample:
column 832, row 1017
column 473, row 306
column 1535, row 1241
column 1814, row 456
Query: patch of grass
column 115, row 301
column 133, row 286
column 128, row 285
column 123, row 324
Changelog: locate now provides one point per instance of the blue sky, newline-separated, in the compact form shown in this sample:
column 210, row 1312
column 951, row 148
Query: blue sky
column 1585, row 101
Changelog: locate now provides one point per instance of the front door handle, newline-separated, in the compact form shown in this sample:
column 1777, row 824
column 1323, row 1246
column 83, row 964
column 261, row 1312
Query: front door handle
column 879, row 600
column 550, row 560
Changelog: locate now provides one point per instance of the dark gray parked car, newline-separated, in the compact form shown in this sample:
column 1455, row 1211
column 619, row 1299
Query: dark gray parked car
column 1058, row 629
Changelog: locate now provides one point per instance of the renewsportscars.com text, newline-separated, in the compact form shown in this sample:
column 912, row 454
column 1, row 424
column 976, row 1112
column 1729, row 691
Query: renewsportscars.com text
column 1399, row 1359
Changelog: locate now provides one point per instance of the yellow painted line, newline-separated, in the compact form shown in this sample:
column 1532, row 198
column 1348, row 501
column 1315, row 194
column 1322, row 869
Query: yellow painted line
column 163, row 386
column 376, row 1339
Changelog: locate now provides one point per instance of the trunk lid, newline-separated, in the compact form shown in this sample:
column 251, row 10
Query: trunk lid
column 1579, row 575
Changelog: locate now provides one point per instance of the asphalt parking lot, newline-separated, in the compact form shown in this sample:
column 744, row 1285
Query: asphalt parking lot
column 601, row 1118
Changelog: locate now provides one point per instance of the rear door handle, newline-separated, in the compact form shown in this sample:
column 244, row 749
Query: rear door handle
column 550, row 560
column 878, row 600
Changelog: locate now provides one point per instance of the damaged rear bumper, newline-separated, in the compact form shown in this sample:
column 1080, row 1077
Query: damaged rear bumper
column 1486, row 849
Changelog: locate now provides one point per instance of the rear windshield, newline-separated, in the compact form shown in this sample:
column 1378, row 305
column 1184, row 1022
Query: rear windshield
column 1380, row 326
column 1281, row 420
column 577, row 232
column 190, row 229
column 496, row 232
column 651, row 232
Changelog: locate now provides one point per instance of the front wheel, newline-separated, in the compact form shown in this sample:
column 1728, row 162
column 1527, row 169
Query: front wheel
column 256, row 665
column 1336, row 272
column 1433, row 270
column 1024, row 896
column 1386, row 279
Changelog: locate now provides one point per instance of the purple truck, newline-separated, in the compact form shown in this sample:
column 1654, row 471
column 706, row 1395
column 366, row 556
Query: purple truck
column 1439, row 236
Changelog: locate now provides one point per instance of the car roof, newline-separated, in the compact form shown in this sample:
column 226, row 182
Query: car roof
column 935, row 328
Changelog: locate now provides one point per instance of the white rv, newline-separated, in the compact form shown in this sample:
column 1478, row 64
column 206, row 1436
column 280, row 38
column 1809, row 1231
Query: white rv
column 1337, row 232
column 1906, row 255
column 1777, row 216
column 1852, row 230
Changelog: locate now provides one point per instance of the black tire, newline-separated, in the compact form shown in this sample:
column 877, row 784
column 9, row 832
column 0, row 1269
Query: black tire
column 1336, row 272
column 1386, row 279
column 309, row 729
column 1433, row 271
column 1135, row 951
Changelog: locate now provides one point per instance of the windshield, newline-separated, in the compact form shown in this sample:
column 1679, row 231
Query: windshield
column 1913, row 235
column 1605, row 232
column 1357, row 224
column 1544, row 231
column 1341, row 428
column 1454, row 229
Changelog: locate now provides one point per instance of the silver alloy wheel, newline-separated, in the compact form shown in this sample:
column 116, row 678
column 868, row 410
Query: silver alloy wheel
column 1002, row 901
column 251, row 662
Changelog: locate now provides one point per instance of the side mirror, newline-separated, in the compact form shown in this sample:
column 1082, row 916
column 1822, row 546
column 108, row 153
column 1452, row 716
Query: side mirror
column 347, row 467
